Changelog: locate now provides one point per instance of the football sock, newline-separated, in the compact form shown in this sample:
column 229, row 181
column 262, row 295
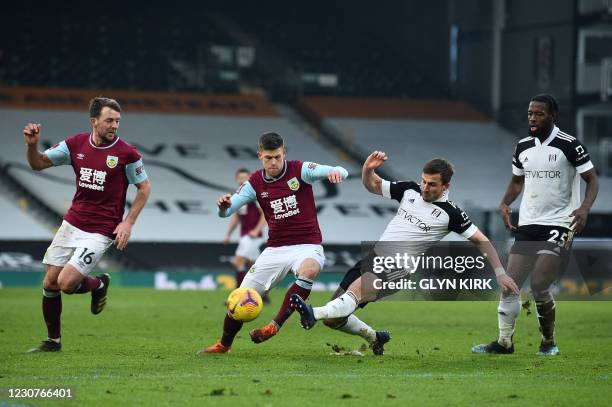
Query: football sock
column 88, row 284
column 301, row 287
column 546, row 318
column 239, row 277
column 355, row 326
column 342, row 306
column 507, row 312
column 230, row 329
column 52, row 310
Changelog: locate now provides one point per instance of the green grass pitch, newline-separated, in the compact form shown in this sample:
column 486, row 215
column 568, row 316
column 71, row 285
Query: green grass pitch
column 141, row 351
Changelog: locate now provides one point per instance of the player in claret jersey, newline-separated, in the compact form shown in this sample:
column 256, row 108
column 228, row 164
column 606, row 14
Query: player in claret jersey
column 104, row 166
column 284, row 192
column 545, row 167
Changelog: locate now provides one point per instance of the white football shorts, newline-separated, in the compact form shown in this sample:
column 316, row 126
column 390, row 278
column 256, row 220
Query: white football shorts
column 80, row 249
column 248, row 247
column 274, row 264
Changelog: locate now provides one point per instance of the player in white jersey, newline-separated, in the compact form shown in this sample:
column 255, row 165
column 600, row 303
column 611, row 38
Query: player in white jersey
column 544, row 167
column 424, row 217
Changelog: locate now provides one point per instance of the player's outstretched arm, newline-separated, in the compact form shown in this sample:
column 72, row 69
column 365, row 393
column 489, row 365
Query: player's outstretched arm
column 581, row 214
column 229, row 204
column 487, row 250
column 312, row 172
column 370, row 179
column 512, row 192
column 37, row 160
column 123, row 231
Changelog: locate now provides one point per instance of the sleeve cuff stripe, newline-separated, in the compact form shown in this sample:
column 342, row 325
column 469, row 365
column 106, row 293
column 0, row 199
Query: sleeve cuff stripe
column 517, row 171
column 584, row 167
column 386, row 188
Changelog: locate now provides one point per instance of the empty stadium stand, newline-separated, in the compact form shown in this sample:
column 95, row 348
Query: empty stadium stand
column 414, row 131
column 191, row 160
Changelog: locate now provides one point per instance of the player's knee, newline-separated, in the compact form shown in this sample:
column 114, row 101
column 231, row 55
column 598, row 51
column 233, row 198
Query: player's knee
column 542, row 295
column 309, row 269
column 335, row 323
column 50, row 284
column 541, row 291
column 66, row 285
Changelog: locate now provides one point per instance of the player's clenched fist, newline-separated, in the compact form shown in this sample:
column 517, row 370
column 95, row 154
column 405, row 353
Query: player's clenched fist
column 224, row 201
column 31, row 133
column 334, row 177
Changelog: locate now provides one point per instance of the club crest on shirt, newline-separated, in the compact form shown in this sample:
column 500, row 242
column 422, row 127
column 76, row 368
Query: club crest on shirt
column 294, row 184
column 111, row 161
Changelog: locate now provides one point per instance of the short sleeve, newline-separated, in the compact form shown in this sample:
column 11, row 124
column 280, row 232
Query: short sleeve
column 459, row 221
column 59, row 154
column 395, row 190
column 134, row 169
column 517, row 166
column 579, row 157
column 135, row 172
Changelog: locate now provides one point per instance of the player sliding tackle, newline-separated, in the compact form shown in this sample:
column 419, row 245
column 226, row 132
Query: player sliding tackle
column 435, row 216
column 284, row 192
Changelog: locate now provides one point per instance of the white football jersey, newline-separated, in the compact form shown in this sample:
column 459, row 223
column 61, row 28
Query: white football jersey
column 552, row 187
column 419, row 224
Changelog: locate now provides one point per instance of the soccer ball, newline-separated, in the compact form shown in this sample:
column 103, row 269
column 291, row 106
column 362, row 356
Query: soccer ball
column 244, row 304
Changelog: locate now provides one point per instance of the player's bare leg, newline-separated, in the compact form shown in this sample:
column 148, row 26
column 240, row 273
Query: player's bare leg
column 306, row 274
column 519, row 267
column 71, row 281
column 544, row 274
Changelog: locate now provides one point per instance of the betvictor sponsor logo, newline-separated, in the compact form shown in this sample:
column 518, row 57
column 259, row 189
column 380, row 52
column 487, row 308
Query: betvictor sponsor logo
column 414, row 220
column 543, row 174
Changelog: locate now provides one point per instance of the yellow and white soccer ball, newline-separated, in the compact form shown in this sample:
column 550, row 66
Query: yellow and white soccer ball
column 244, row 304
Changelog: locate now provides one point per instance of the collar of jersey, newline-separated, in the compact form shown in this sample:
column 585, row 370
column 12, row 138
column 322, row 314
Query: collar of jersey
column 550, row 138
column 104, row 147
column 443, row 198
column 270, row 180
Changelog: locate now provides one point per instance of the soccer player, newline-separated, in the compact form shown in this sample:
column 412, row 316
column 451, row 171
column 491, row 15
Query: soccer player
column 284, row 192
column 104, row 166
column 424, row 217
column 251, row 221
column 544, row 168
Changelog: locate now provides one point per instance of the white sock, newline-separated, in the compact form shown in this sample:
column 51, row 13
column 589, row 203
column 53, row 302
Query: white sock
column 355, row 326
column 342, row 306
column 507, row 312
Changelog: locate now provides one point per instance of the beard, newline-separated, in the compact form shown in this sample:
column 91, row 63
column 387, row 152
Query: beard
column 107, row 137
column 539, row 132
